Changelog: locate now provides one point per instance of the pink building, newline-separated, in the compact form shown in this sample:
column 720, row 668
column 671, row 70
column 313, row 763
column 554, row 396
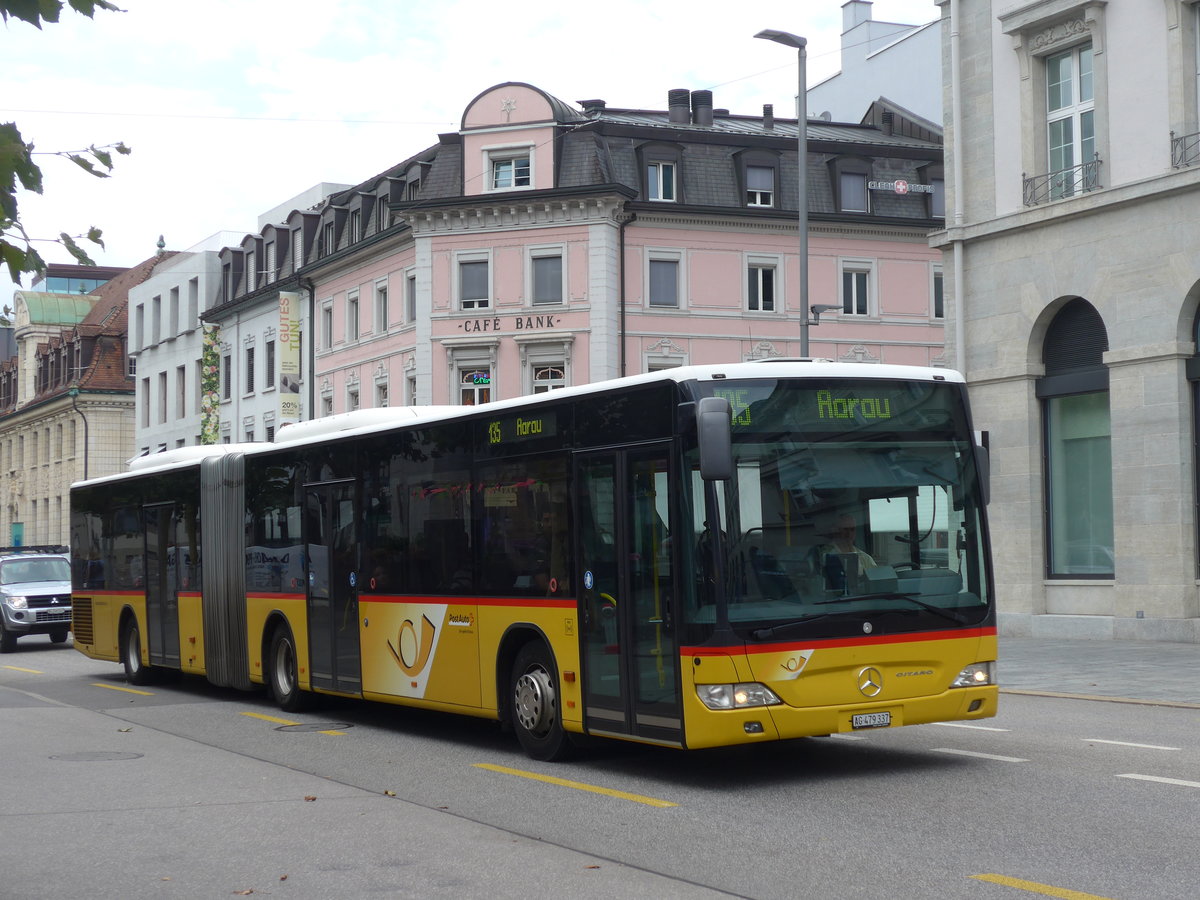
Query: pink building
column 544, row 245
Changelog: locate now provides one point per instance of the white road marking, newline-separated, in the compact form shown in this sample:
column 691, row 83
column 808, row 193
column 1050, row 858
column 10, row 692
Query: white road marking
column 1127, row 744
column 848, row 737
column 974, row 727
column 1160, row 780
column 994, row 756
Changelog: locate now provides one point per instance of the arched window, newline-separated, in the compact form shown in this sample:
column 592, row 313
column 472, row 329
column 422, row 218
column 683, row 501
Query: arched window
column 1193, row 376
column 1077, row 445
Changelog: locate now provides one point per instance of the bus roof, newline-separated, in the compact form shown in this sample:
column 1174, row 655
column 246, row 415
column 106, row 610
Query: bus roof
column 369, row 421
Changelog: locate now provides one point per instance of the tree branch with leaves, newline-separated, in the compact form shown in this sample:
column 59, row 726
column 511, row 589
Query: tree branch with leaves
column 19, row 171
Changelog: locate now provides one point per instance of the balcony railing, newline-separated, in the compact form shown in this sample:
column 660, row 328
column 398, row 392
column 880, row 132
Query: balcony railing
column 1062, row 184
column 1185, row 150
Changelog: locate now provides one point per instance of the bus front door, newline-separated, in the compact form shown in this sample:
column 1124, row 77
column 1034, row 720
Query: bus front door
column 331, row 541
column 627, row 579
column 162, row 598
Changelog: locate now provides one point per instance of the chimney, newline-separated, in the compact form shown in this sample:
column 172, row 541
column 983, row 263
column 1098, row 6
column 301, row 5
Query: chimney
column 769, row 116
column 888, row 118
column 592, row 107
column 702, row 108
column 677, row 106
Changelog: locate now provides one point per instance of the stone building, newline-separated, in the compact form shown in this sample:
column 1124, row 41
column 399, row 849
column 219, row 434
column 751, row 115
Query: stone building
column 1073, row 248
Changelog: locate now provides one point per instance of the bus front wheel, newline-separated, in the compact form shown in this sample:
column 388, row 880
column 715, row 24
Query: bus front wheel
column 136, row 672
column 536, row 716
column 285, row 682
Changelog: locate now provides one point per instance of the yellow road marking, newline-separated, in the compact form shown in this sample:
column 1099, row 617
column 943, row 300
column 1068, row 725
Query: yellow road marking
column 30, row 671
column 284, row 722
column 1034, row 888
column 270, row 719
column 113, row 687
column 577, row 785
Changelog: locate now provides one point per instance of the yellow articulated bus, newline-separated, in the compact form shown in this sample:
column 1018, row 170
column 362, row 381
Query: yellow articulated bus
column 702, row 557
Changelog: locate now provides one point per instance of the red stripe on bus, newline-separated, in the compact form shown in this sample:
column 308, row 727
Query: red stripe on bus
column 518, row 602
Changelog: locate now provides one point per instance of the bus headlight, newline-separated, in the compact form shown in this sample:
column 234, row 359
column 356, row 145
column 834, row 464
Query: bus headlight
column 736, row 696
column 18, row 603
column 976, row 675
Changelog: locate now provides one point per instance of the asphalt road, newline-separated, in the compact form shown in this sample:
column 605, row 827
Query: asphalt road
column 184, row 790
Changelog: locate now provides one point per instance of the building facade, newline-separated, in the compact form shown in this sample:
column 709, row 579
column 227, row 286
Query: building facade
column 1072, row 245
column 66, row 401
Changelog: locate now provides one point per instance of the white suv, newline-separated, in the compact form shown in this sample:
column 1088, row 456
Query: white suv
column 35, row 594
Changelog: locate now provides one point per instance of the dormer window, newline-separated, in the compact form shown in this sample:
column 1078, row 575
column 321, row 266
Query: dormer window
column 510, row 169
column 760, row 186
column 660, row 181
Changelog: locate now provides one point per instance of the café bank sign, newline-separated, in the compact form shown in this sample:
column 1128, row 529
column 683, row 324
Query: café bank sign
column 900, row 186
column 516, row 323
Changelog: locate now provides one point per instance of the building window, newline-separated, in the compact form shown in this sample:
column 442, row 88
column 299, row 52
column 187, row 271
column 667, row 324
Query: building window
column 1070, row 115
column 510, row 169
column 352, row 398
column 663, row 282
column 297, row 248
column 180, row 391
column 856, row 289
column 937, row 198
column 193, row 304
column 473, row 288
column 381, row 307
column 270, row 433
column 173, row 312
column 410, row 299
column 760, row 288
column 939, row 295
column 327, row 325
column 269, row 366
column 162, row 398
column 249, row 370
column 352, row 321
column 269, row 274
column 660, row 181
column 226, row 377
column 546, row 275
column 1078, row 445
column 326, row 406
column 381, row 394
column 355, row 225
column 549, row 377
column 852, row 192
column 411, row 387
column 155, row 320
column 760, row 186
column 327, row 245
column 251, row 272
column 139, row 326
column 145, row 404
column 475, row 386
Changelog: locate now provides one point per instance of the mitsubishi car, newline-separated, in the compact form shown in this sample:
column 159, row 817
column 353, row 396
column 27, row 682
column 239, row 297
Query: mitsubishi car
column 35, row 594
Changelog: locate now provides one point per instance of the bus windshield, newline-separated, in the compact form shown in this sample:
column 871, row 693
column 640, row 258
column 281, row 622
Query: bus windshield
column 854, row 506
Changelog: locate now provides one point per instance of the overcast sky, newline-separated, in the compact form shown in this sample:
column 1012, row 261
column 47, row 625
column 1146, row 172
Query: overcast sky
column 232, row 107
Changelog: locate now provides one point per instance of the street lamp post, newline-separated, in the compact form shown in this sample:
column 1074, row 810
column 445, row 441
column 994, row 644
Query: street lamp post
column 794, row 40
column 73, row 393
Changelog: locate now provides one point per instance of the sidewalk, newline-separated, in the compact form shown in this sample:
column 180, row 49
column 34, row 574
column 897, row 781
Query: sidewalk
column 1154, row 671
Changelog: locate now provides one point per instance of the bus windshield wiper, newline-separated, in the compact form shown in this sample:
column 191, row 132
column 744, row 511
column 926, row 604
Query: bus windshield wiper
column 895, row 595
column 764, row 633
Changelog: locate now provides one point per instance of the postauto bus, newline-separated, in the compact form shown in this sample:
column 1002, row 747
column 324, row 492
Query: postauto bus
column 700, row 557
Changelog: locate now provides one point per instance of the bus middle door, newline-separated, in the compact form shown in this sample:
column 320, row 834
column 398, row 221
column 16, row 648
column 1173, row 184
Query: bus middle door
column 630, row 647
column 331, row 542
column 161, row 573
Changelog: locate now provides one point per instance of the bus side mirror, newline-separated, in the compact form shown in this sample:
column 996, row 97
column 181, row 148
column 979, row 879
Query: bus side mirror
column 714, row 424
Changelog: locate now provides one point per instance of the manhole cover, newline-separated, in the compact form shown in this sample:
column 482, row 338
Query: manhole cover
column 315, row 726
column 96, row 756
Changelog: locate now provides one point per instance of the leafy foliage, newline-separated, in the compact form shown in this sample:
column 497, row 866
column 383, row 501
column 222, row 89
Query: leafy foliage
column 18, row 171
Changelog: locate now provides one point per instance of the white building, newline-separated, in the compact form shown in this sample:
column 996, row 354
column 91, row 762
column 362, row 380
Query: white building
column 902, row 63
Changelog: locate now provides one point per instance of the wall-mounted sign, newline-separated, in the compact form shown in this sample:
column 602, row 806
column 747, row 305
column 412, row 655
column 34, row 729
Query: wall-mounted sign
column 516, row 323
column 900, row 186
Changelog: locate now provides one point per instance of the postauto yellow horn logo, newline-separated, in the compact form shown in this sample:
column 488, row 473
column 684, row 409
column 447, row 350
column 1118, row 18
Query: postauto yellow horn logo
column 413, row 651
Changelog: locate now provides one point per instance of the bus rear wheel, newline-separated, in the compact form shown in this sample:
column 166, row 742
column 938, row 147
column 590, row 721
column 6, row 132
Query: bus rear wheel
column 136, row 672
column 533, row 692
column 285, row 680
